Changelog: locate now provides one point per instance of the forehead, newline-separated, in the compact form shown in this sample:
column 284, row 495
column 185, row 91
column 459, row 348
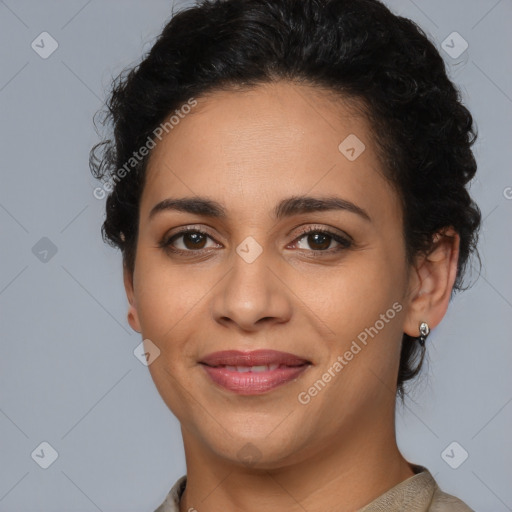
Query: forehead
column 258, row 145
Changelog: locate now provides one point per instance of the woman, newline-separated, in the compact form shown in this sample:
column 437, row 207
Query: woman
column 288, row 189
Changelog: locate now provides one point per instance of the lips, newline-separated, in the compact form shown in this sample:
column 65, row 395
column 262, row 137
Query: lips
column 255, row 372
column 253, row 358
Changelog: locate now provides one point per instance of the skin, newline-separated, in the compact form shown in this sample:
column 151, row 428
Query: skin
column 248, row 150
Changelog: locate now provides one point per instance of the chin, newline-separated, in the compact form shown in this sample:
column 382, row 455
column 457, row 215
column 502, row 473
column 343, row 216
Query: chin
column 269, row 448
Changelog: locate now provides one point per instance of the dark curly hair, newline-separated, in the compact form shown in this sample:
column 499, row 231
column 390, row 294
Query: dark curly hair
column 356, row 49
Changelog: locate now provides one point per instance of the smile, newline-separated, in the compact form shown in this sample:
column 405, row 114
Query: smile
column 253, row 373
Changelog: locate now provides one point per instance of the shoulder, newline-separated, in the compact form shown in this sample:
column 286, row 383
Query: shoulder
column 443, row 502
column 172, row 500
column 418, row 493
column 439, row 501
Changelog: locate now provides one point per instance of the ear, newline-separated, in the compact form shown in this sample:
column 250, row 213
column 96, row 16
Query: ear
column 133, row 317
column 431, row 282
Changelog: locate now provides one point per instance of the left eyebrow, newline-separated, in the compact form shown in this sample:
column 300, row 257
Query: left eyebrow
column 286, row 208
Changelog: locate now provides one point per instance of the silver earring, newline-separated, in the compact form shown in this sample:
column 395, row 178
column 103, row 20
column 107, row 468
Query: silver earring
column 424, row 332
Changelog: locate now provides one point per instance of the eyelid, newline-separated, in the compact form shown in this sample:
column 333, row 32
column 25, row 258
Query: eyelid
column 308, row 227
column 324, row 228
column 187, row 228
column 183, row 230
column 343, row 239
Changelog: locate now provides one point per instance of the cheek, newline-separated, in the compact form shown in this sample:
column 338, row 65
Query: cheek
column 353, row 296
column 359, row 305
column 165, row 294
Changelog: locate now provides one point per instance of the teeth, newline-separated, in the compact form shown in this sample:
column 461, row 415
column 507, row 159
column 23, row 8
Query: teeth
column 255, row 369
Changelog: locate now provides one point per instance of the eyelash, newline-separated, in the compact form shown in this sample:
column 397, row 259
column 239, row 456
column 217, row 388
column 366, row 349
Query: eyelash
column 345, row 243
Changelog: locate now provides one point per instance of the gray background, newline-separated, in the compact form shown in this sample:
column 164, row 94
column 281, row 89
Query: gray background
column 68, row 375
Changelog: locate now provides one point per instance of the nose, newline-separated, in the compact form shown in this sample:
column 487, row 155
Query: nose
column 252, row 296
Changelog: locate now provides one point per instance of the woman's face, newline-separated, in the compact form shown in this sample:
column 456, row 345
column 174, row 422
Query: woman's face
column 335, row 298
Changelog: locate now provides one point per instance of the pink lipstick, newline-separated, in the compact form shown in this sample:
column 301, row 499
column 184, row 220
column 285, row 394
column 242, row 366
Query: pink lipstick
column 254, row 372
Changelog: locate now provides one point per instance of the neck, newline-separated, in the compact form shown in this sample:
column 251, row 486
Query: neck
column 344, row 475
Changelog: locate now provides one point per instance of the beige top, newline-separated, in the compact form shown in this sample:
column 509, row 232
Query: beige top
column 418, row 493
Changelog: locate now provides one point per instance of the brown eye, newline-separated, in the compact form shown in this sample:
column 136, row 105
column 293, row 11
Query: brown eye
column 320, row 241
column 194, row 240
column 186, row 241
